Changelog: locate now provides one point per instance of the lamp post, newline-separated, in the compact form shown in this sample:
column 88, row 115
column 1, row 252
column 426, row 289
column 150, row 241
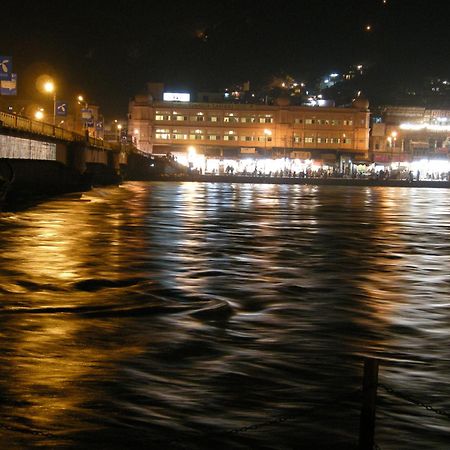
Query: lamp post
column 83, row 104
column 50, row 88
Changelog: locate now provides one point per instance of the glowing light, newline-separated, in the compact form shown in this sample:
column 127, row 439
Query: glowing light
column 424, row 126
column 192, row 152
column 49, row 86
column 368, row 27
column 136, row 131
column 39, row 114
column 267, row 132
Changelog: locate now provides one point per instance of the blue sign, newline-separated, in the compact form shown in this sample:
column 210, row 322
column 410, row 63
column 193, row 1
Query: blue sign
column 9, row 86
column 61, row 108
column 5, row 67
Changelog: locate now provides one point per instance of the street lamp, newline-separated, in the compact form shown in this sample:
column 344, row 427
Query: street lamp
column 39, row 114
column 50, row 88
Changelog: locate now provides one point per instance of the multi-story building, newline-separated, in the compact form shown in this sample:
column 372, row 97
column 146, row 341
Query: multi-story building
column 208, row 135
column 411, row 137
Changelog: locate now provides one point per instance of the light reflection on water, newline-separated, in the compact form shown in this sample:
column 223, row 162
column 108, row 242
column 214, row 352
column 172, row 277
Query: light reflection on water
column 137, row 315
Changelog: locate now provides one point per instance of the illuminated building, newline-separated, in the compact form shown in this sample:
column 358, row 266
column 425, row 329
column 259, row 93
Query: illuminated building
column 407, row 138
column 233, row 132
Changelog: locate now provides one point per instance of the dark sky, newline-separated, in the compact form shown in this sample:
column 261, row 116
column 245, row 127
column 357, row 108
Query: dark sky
column 109, row 51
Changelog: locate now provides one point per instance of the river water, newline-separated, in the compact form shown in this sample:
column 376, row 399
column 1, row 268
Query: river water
column 164, row 315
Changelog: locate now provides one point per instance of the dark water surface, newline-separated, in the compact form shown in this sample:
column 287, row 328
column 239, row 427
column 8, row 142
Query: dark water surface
column 158, row 315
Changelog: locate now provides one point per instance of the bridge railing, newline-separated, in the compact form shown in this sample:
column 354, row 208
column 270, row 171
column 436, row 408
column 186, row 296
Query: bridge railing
column 16, row 122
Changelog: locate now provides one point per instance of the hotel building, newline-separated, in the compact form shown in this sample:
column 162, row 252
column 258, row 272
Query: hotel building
column 249, row 137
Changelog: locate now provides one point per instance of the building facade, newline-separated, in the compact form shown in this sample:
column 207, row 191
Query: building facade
column 411, row 138
column 217, row 132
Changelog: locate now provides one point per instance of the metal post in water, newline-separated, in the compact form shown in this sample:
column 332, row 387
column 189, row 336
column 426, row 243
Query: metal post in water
column 369, row 404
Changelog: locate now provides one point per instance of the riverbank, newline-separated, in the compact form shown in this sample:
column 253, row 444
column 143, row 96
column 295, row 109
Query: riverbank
column 308, row 181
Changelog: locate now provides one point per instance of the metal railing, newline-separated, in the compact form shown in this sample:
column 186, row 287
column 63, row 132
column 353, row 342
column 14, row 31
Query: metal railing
column 367, row 395
column 20, row 123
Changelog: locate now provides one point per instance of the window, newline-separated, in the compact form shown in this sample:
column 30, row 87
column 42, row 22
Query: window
column 231, row 118
column 197, row 118
column 335, row 122
column 162, row 134
column 297, row 120
column 197, row 137
column 181, row 118
column 159, row 117
column 347, row 141
column 309, row 121
column 213, row 137
column 297, row 139
column 265, row 120
column 180, row 136
column 213, row 118
column 348, row 122
column 309, row 140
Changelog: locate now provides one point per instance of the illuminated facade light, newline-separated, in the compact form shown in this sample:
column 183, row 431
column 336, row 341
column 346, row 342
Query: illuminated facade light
column 424, row 126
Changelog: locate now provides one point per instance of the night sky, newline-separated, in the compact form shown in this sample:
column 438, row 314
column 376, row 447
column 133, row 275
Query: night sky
column 108, row 52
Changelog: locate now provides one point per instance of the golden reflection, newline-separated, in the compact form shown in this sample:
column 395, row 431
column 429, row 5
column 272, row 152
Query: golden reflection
column 52, row 363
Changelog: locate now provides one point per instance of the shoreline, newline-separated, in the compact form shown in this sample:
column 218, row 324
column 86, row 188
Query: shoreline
column 303, row 181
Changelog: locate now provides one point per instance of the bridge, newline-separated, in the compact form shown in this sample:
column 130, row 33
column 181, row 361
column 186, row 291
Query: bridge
column 23, row 138
column 40, row 157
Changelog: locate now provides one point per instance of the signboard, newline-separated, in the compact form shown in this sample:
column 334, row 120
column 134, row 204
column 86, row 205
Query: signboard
column 9, row 87
column 5, row 67
column 381, row 158
column 176, row 97
column 329, row 157
column 248, row 150
column 86, row 114
column 61, row 108
column 301, row 155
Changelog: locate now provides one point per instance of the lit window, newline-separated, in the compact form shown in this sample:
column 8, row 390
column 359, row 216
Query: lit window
column 162, row 134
